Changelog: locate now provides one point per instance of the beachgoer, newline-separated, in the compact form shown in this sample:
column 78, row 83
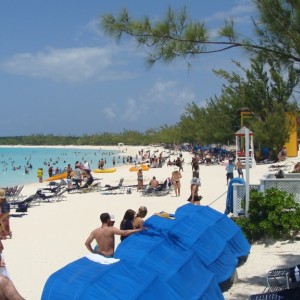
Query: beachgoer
column 2, row 263
column 194, row 197
column 282, row 154
column 296, row 168
column 40, row 174
column 140, row 180
column 176, row 175
column 4, row 217
column 77, row 176
column 86, row 166
column 229, row 170
column 50, row 171
column 89, row 179
column 105, row 236
column 101, row 164
column 195, row 163
column 178, row 163
column 239, row 169
column 154, row 183
column 127, row 222
column 69, row 169
column 111, row 224
column 138, row 221
column 8, row 290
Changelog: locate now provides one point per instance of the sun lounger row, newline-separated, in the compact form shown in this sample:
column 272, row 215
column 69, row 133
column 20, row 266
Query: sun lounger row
column 14, row 193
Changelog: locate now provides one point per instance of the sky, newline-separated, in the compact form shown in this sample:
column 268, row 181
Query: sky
column 61, row 75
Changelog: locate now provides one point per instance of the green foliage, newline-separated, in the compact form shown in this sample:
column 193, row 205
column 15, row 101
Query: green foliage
column 164, row 134
column 273, row 214
column 176, row 35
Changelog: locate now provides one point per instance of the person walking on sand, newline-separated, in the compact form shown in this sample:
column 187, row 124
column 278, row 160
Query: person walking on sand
column 239, row 169
column 105, row 236
column 140, row 180
column 176, row 175
column 229, row 171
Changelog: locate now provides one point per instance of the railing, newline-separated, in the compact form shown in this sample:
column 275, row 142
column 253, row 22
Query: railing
column 290, row 184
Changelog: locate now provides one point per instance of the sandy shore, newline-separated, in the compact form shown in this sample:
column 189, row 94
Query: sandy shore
column 52, row 235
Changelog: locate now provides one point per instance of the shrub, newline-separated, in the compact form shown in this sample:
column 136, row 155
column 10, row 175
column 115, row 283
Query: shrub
column 272, row 214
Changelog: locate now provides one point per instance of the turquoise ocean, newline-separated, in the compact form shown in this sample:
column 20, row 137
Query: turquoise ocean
column 13, row 161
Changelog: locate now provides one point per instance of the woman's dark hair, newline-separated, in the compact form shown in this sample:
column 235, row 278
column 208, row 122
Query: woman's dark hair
column 129, row 215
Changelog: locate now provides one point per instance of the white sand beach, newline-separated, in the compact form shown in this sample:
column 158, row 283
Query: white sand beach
column 52, row 235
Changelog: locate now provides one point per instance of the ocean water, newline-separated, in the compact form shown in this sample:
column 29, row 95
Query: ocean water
column 13, row 161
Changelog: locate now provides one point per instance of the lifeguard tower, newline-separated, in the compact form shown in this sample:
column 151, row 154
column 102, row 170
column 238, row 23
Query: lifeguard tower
column 240, row 146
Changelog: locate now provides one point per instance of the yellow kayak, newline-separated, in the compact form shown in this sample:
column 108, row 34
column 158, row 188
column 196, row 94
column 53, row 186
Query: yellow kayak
column 143, row 167
column 111, row 170
column 57, row 177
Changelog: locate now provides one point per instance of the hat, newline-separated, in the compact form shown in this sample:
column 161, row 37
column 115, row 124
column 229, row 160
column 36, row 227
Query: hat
column 195, row 181
column 2, row 193
column 112, row 218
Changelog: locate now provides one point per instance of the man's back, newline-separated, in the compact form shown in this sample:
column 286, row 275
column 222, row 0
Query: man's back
column 105, row 238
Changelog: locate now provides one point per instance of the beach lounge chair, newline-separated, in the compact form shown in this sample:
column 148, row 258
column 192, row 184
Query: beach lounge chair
column 57, row 195
column 280, row 279
column 17, row 194
column 11, row 192
column 286, row 294
column 161, row 190
column 111, row 190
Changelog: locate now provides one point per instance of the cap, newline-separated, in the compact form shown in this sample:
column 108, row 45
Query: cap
column 112, row 218
column 195, row 181
column 2, row 193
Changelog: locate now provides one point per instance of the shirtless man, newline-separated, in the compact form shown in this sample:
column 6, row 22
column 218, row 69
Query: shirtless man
column 105, row 236
column 176, row 175
column 154, row 183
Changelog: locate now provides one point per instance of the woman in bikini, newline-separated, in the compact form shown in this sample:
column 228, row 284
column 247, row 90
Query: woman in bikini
column 176, row 175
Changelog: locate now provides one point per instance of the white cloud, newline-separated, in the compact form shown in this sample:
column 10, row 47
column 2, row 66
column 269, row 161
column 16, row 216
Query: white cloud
column 70, row 65
column 133, row 110
column 110, row 112
column 240, row 12
column 164, row 98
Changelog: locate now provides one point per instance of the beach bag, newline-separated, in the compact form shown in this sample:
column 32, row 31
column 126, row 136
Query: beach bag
column 22, row 207
column 5, row 207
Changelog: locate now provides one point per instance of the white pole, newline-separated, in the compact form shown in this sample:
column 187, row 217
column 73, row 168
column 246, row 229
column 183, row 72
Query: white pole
column 247, row 171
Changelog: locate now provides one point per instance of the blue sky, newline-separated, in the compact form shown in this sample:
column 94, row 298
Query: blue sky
column 59, row 74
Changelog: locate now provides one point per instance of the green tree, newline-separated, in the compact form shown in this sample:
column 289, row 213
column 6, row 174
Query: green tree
column 264, row 89
column 178, row 36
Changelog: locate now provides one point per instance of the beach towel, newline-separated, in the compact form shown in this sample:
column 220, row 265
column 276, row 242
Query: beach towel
column 101, row 259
